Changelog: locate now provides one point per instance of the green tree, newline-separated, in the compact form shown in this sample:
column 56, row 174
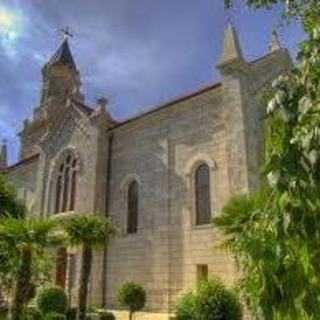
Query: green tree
column 9, row 207
column 211, row 301
column 274, row 234
column 9, row 204
column 25, row 241
column 132, row 296
column 89, row 232
column 52, row 299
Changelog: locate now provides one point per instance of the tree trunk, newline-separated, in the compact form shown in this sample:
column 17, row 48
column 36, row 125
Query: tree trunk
column 84, row 281
column 130, row 315
column 22, row 283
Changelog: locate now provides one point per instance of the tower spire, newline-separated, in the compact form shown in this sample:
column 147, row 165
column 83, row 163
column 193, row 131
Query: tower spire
column 231, row 47
column 3, row 155
column 274, row 42
column 63, row 55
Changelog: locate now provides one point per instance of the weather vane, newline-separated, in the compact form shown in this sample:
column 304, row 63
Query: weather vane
column 66, row 33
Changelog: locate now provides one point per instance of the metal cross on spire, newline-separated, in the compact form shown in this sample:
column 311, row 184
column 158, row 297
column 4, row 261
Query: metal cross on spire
column 66, row 33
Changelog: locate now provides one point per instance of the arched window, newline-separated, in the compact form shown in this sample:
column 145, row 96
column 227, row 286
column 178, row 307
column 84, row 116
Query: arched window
column 202, row 194
column 66, row 184
column 132, row 222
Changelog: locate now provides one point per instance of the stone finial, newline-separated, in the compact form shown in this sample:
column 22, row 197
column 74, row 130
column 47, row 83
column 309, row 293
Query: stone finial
column 231, row 47
column 274, row 42
column 4, row 155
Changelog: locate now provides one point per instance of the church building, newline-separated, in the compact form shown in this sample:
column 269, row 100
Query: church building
column 161, row 176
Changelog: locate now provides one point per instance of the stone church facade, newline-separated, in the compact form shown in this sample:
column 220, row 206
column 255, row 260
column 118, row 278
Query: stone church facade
column 160, row 176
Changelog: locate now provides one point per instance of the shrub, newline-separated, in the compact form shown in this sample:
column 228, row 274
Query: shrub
column 212, row 301
column 132, row 296
column 32, row 313
column 186, row 307
column 3, row 314
column 105, row 315
column 54, row 316
column 71, row 314
column 52, row 299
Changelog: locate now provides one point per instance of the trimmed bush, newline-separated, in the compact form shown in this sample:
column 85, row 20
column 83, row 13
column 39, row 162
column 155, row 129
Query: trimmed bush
column 106, row 315
column 54, row 316
column 52, row 299
column 212, row 301
column 32, row 313
column 132, row 296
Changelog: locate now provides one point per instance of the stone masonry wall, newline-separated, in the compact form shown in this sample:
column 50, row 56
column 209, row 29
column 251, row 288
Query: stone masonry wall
column 161, row 152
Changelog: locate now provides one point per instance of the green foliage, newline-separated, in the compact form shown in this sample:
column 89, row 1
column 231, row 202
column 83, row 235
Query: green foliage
column 3, row 314
column 91, row 229
column 274, row 234
column 106, row 315
column 87, row 231
column 51, row 300
column 54, row 316
column 186, row 307
column 17, row 234
column 32, row 313
column 291, row 8
column 132, row 296
column 9, row 205
column 212, row 301
column 22, row 243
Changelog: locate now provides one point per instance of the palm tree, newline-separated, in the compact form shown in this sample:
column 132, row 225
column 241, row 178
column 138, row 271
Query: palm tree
column 25, row 239
column 10, row 206
column 89, row 232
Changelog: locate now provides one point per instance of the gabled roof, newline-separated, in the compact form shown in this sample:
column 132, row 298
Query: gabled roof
column 170, row 103
column 63, row 56
column 21, row 163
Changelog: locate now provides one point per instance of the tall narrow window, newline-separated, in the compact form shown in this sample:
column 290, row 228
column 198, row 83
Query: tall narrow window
column 132, row 223
column 65, row 190
column 202, row 193
column 66, row 185
column 73, row 184
column 58, row 193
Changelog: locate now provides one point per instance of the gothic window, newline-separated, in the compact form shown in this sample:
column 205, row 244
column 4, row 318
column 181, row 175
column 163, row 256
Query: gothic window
column 66, row 184
column 132, row 222
column 202, row 195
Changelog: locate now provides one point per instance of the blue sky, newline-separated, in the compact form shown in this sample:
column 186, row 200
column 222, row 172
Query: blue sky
column 137, row 53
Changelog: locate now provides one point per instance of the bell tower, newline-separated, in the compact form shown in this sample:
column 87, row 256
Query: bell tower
column 61, row 79
column 60, row 82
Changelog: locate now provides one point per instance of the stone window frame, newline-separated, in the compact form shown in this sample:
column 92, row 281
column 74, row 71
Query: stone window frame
column 124, row 188
column 190, row 172
column 54, row 176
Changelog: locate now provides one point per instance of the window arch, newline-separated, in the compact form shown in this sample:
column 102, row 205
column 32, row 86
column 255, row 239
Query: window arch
column 132, row 207
column 202, row 194
column 66, row 184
